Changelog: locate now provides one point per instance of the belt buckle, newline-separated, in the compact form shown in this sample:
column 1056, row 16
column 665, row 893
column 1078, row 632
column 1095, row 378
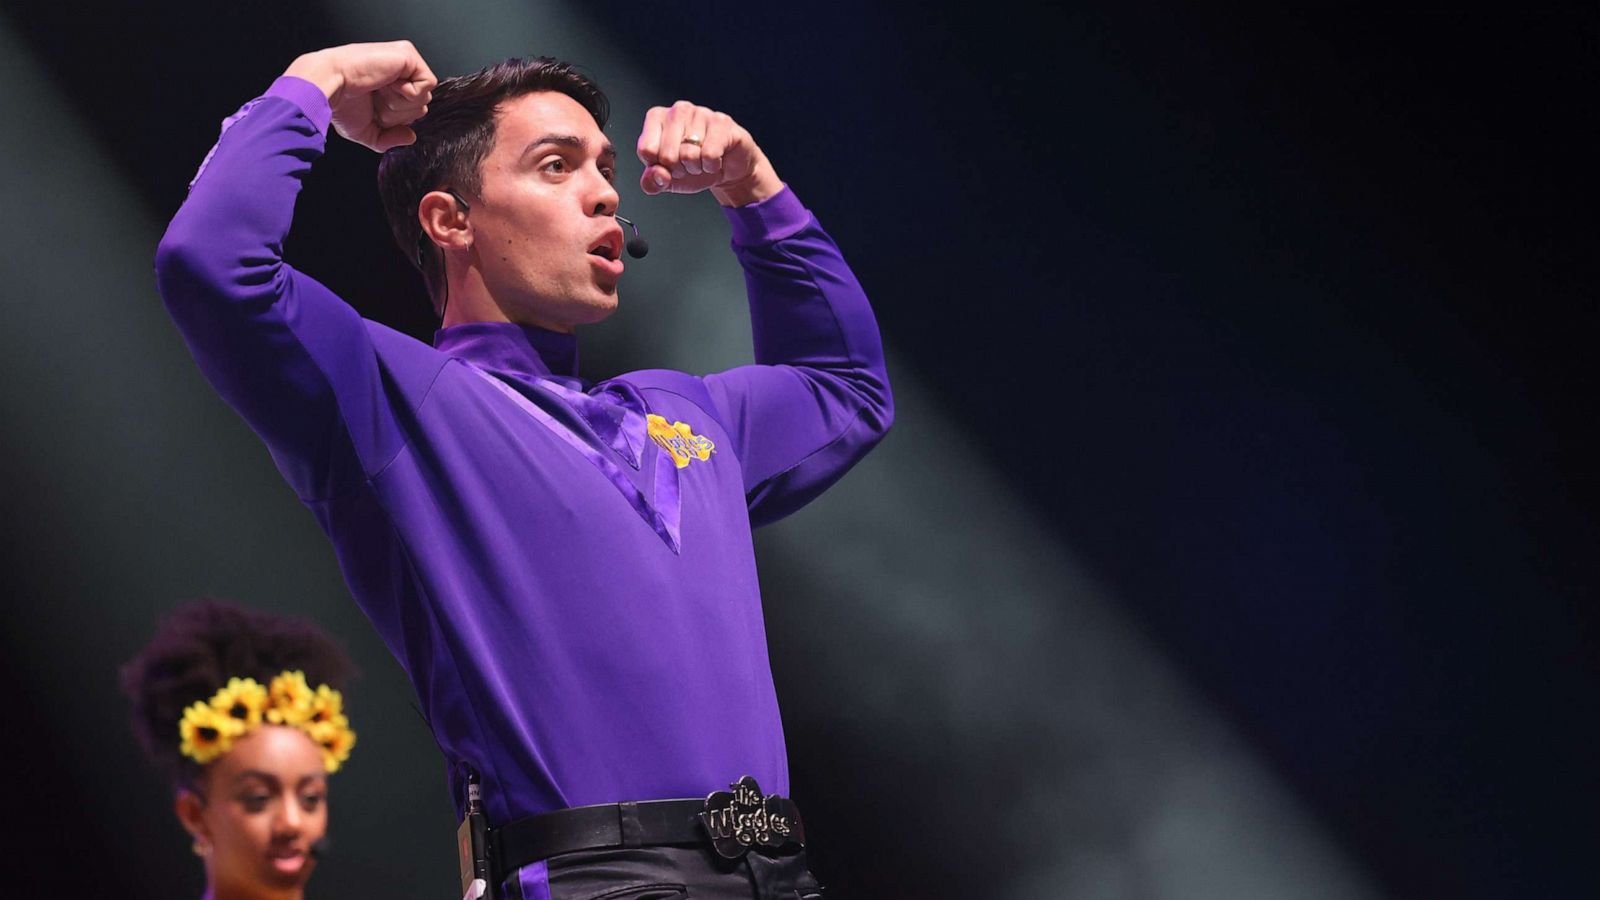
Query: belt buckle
column 741, row 818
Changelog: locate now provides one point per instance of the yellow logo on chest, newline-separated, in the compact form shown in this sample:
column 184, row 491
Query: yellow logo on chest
column 679, row 440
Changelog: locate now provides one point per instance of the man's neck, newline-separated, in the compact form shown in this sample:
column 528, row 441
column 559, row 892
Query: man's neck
column 469, row 301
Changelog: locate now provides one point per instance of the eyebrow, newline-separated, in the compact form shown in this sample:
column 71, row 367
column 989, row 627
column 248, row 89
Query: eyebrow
column 271, row 778
column 569, row 140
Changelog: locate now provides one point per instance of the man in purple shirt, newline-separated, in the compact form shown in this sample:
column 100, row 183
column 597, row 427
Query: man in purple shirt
column 564, row 569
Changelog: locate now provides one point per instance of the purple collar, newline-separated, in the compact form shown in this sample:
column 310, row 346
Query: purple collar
column 509, row 347
column 547, row 362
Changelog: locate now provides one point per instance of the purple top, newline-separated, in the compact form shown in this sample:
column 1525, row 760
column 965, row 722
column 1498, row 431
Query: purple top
column 567, row 579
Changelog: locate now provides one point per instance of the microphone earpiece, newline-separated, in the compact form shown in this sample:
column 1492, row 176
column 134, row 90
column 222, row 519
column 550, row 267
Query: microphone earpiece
column 638, row 246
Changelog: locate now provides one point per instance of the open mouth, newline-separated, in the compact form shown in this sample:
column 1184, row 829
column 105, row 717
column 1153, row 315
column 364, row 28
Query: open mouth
column 609, row 247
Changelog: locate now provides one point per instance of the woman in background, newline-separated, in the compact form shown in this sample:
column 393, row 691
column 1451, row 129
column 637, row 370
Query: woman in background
column 243, row 711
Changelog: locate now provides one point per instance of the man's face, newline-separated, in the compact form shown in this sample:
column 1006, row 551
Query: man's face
column 544, row 238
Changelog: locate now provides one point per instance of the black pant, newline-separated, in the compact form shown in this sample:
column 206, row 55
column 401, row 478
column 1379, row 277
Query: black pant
column 665, row 873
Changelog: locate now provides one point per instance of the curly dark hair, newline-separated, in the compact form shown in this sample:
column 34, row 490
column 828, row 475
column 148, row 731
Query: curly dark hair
column 201, row 645
column 456, row 135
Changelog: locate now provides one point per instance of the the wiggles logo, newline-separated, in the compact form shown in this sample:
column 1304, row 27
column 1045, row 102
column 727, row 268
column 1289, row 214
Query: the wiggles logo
column 679, row 440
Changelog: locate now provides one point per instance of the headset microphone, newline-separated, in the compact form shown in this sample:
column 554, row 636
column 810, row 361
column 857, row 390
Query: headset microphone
column 637, row 247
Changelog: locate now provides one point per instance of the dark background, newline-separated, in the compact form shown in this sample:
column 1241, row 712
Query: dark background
column 1279, row 319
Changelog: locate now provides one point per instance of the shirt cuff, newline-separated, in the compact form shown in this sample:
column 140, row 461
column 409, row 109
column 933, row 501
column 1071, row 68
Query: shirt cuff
column 768, row 221
column 305, row 95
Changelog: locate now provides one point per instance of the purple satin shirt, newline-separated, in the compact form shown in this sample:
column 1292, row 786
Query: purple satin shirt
column 564, row 570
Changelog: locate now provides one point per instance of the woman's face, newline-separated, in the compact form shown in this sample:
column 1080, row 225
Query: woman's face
column 265, row 805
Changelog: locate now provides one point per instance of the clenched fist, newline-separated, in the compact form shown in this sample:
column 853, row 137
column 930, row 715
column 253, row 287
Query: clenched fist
column 687, row 149
column 376, row 90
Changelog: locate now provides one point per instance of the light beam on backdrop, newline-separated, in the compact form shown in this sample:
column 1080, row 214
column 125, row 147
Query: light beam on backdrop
column 930, row 599
column 131, row 487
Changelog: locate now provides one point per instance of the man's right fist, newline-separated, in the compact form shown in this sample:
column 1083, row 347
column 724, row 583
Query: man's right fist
column 376, row 90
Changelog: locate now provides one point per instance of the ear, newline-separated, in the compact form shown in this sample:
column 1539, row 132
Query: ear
column 191, row 812
column 444, row 221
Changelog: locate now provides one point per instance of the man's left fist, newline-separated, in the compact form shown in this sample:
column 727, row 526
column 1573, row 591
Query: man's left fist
column 687, row 149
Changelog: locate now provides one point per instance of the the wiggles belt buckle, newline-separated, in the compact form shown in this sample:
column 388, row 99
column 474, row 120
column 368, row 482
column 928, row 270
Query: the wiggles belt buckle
column 742, row 818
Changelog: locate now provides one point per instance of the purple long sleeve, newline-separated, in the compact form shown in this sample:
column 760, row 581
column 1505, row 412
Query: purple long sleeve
column 564, row 570
column 818, row 397
column 291, row 357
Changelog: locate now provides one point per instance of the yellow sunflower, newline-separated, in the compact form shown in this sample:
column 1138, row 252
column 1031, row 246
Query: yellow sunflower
column 328, row 706
column 291, row 699
column 335, row 740
column 207, row 733
column 242, row 700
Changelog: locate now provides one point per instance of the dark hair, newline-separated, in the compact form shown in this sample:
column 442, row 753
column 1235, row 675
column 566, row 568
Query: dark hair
column 455, row 136
column 197, row 649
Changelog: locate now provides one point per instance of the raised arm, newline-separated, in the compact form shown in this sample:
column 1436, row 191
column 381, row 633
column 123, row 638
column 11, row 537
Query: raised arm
column 283, row 350
column 818, row 397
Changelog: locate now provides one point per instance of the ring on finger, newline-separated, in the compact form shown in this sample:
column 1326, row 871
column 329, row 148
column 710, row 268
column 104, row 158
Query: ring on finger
column 691, row 139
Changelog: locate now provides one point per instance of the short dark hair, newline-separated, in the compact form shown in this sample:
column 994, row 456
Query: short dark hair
column 201, row 645
column 456, row 135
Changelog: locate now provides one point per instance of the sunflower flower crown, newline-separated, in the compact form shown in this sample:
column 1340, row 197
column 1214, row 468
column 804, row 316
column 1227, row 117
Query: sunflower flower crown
column 208, row 729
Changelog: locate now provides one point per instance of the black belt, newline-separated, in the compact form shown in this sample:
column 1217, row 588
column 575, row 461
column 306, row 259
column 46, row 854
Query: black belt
column 607, row 825
column 731, row 822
